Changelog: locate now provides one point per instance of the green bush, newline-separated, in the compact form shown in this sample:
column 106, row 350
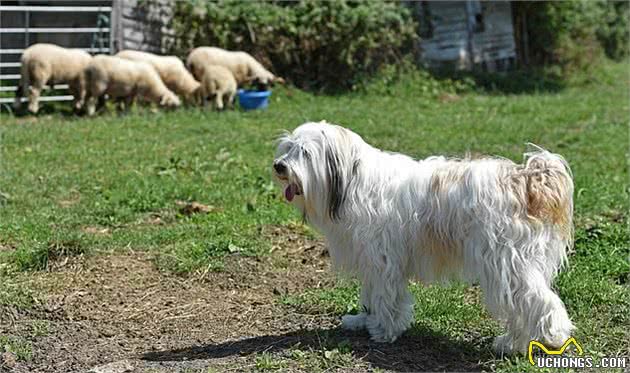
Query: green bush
column 614, row 31
column 316, row 45
column 574, row 34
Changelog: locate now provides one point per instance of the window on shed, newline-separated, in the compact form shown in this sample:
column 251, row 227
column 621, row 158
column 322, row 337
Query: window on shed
column 425, row 28
column 478, row 10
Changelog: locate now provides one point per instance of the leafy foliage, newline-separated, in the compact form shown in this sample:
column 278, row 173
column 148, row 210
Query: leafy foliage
column 316, row 45
column 614, row 32
column 573, row 34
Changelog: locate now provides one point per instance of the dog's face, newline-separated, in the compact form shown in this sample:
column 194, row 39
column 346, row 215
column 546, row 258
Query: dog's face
column 291, row 165
column 314, row 165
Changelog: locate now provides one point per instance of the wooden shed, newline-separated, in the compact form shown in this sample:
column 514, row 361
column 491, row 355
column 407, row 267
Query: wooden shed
column 466, row 34
column 142, row 25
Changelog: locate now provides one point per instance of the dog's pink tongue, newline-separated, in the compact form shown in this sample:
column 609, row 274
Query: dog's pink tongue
column 289, row 192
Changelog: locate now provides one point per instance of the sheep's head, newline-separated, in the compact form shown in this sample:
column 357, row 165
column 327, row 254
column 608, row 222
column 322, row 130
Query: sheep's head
column 195, row 97
column 263, row 82
column 170, row 100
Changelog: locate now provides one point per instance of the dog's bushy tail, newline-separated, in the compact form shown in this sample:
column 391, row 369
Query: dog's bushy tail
column 550, row 190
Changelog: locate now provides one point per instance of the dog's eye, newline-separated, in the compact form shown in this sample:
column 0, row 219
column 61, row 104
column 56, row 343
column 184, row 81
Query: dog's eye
column 305, row 153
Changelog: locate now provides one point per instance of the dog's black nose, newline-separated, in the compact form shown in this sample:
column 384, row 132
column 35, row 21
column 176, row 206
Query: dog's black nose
column 280, row 167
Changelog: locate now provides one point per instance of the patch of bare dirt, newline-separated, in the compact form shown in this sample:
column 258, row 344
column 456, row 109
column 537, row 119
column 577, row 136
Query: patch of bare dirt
column 449, row 97
column 97, row 231
column 118, row 310
column 189, row 208
column 106, row 308
column 73, row 197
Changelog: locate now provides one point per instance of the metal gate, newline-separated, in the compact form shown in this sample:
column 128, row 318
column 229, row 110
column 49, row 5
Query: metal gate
column 101, row 39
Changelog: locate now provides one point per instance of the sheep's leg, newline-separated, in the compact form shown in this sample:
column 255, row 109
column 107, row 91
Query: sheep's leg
column 90, row 105
column 19, row 93
column 129, row 102
column 79, row 96
column 72, row 88
column 218, row 100
column 78, row 91
column 100, row 103
column 38, row 77
column 231, row 100
column 124, row 104
column 17, row 104
column 34, row 91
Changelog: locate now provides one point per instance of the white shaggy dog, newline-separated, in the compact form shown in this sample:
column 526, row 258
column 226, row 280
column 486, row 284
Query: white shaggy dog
column 389, row 218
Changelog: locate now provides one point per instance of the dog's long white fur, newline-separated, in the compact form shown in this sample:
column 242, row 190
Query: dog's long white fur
column 389, row 219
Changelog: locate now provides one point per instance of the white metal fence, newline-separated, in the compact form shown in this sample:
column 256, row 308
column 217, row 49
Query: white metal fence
column 102, row 41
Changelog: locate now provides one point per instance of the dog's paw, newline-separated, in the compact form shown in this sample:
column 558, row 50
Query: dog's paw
column 380, row 334
column 383, row 337
column 556, row 340
column 354, row 322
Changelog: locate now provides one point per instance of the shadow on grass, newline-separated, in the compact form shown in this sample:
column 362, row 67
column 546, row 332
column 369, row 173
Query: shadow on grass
column 45, row 108
column 421, row 350
column 511, row 82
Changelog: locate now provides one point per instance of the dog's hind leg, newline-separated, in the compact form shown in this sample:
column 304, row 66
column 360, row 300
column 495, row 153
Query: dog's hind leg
column 544, row 316
column 517, row 291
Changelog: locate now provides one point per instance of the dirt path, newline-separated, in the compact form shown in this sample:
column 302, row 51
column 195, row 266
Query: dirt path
column 118, row 309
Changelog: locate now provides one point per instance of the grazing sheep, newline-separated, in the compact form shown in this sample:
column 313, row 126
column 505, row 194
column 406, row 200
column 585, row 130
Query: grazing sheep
column 50, row 64
column 171, row 70
column 244, row 67
column 218, row 82
column 124, row 80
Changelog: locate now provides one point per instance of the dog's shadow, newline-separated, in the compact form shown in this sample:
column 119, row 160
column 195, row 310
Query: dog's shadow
column 419, row 350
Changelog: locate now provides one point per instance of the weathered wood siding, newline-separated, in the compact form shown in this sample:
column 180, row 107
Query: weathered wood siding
column 496, row 43
column 457, row 35
column 448, row 39
column 142, row 25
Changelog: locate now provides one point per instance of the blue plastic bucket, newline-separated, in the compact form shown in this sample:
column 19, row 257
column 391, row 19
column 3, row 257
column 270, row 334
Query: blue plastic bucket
column 250, row 100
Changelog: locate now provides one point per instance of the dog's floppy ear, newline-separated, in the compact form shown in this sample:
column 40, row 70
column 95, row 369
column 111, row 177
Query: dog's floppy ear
column 337, row 183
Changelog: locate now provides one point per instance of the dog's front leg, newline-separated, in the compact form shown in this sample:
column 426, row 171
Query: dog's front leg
column 358, row 321
column 391, row 309
column 388, row 303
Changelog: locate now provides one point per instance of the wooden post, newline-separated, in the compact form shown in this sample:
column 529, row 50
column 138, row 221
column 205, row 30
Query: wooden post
column 116, row 25
column 470, row 24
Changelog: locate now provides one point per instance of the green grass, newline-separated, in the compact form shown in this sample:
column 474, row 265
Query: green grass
column 15, row 292
column 22, row 349
column 328, row 354
column 61, row 174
